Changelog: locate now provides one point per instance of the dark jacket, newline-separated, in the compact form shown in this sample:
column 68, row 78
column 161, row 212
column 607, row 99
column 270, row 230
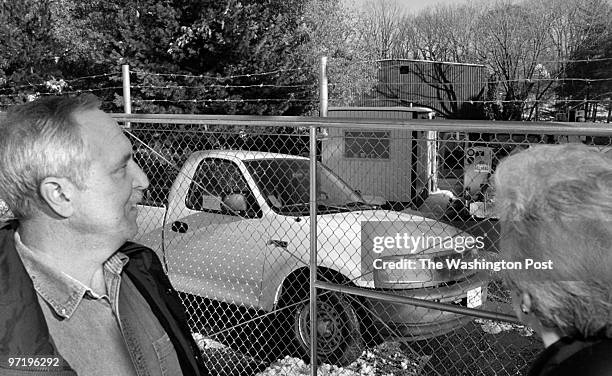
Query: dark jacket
column 23, row 329
column 569, row 357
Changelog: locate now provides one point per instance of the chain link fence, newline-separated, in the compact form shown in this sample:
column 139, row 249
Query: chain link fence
column 398, row 204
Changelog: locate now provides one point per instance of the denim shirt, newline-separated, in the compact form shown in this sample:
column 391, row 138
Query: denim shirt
column 113, row 334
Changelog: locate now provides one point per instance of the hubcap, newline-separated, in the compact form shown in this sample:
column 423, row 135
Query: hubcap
column 329, row 330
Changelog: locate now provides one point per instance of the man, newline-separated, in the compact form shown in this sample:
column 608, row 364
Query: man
column 75, row 296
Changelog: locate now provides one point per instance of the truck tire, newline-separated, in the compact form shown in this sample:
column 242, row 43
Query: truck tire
column 340, row 341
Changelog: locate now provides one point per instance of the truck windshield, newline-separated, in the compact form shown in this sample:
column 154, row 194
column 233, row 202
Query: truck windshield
column 285, row 184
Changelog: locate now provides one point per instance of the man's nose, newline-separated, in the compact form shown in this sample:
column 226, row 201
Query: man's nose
column 141, row 181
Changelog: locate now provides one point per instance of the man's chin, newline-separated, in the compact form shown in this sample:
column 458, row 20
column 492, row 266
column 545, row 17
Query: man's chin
column 131, row 227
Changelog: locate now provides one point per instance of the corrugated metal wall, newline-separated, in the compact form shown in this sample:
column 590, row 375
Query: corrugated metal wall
column 357, row 112
column 446, row 87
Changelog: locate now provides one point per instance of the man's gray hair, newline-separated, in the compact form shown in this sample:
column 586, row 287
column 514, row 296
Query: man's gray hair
column 555, row 203
column 41, row 139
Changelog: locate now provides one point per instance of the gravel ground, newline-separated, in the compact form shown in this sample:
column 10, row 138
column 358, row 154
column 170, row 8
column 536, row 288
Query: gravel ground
column 483, row 347
column 385, row 359
column 480, row 348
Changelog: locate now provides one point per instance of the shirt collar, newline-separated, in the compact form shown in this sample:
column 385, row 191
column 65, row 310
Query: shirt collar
column 61, row 291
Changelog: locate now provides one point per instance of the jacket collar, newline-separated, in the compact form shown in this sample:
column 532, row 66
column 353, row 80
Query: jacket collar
column 23, row 329
column 62, row 292
column 549, row 360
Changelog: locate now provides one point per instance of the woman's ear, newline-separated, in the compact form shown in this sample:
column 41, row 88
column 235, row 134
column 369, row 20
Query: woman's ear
column 526, row 314
column 549, row 335
column 58, row 193
column 526, row 303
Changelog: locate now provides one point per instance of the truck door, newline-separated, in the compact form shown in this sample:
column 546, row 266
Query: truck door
column 215, row 251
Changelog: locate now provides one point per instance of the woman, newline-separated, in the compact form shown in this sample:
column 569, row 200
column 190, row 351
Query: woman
column 555, row 208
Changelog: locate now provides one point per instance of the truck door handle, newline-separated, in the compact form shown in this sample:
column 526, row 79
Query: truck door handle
column 278, row 243
column 180, row 227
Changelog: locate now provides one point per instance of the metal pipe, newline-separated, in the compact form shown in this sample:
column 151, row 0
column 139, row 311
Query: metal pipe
column 313, row 251
column 469, row 126
column 323, row 87
column 127, row 99
column 379, row 295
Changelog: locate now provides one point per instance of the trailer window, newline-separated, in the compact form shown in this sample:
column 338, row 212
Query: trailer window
column 367, row 145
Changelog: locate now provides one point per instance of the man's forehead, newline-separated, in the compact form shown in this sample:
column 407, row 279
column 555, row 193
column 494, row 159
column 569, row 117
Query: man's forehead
column 96, row 120
column 100, row 131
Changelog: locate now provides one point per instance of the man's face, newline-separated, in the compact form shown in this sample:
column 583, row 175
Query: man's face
column 114, row 184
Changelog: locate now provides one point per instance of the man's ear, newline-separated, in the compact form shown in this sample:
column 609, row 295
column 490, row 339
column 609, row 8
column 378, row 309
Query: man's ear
column 59, row 194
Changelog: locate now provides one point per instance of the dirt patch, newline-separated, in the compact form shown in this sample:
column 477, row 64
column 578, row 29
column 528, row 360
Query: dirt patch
column 471, row 350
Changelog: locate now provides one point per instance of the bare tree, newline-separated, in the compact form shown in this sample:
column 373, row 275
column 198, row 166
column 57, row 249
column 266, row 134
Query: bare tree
column 380, row 26
column 575, row 23
column 527, row 46
column 443, row 33
column 524, row 44
column 512, row 40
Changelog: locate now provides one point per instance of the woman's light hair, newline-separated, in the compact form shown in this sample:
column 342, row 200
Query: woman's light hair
column 555, row 203
column 41, row 139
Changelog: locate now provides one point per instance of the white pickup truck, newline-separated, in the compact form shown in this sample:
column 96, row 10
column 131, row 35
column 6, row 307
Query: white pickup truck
column 236, row 229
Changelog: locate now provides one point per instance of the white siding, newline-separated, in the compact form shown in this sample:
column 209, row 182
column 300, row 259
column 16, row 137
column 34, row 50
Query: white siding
column 389, row 178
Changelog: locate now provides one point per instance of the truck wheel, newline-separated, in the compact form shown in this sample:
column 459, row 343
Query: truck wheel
column 339, row 340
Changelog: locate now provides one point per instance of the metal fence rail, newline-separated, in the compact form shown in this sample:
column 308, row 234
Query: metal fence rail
column 231, row 210
column 442, row 125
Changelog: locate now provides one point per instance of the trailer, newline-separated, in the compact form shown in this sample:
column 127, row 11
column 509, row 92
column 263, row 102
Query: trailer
column 392, row 164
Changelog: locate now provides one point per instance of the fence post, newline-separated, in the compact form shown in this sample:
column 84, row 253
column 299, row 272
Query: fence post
column 313, row 251
column 432, row 160
column 127, row 99
column 313, row 217
column 323, row 87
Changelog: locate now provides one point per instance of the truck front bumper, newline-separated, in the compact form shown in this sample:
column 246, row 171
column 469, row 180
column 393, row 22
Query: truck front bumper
column 413, row 323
